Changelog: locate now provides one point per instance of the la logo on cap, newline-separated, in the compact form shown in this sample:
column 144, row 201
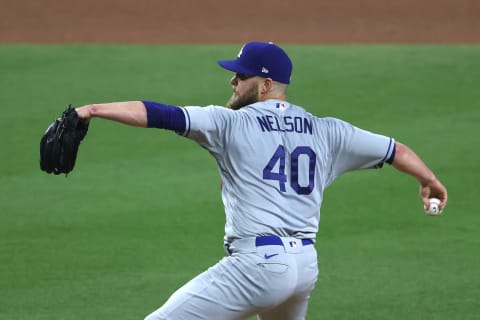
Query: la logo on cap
column 240, row 52
column 265, row 70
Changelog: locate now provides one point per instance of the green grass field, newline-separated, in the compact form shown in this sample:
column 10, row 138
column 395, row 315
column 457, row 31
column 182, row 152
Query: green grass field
column 141, row 213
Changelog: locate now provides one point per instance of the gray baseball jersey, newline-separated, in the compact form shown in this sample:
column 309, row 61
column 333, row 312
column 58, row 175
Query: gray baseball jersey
column 276, row 159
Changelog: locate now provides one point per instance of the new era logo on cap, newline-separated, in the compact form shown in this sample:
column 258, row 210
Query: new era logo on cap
column 264, row 59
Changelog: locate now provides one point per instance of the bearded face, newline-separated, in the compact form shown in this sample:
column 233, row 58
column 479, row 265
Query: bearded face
column 241, row 98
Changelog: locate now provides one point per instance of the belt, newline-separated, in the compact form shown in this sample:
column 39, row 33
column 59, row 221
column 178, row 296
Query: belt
column 276, row 241
column 249, row 244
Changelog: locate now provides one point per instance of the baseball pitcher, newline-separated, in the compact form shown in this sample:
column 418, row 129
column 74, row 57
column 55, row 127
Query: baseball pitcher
column 275, row 160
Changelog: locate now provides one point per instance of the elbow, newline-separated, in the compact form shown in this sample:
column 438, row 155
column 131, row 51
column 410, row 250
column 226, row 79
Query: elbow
column 401, row 151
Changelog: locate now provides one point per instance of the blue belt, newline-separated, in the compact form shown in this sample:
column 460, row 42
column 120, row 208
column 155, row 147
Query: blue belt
column 275, row 241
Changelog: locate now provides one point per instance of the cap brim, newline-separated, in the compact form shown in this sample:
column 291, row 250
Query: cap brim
column 232, row 65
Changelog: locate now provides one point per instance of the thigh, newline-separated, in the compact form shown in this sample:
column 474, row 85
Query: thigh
column 294, row 308
column 224, row 292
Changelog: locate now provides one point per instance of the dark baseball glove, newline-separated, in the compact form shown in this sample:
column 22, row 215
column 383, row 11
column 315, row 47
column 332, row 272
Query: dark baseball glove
column 59, row 144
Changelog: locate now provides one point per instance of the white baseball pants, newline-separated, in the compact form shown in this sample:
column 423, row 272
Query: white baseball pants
column 271, row 279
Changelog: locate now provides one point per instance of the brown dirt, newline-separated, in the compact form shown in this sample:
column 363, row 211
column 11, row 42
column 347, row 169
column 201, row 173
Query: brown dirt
column 216, row 21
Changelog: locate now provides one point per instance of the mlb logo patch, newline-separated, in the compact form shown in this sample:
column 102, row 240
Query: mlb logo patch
column 281, row 106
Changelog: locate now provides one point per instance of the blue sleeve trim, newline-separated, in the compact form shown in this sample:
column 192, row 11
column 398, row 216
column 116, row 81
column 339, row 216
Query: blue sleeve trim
column 165, row 116
column 187, row 128
column 392, row 155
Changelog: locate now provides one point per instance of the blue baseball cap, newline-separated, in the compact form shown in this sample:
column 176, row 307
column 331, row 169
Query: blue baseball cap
column 263, row 59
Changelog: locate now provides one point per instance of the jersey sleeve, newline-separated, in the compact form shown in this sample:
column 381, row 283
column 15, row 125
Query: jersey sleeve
column 208, row 126
column 354, row 148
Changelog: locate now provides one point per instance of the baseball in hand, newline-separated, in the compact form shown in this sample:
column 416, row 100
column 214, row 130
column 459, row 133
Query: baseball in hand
column 434, row 209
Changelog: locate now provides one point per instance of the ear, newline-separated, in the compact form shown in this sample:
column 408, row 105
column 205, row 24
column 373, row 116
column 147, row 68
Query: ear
column 266, row 86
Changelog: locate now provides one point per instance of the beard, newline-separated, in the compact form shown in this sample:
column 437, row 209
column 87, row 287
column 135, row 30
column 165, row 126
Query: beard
column 239, row 101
